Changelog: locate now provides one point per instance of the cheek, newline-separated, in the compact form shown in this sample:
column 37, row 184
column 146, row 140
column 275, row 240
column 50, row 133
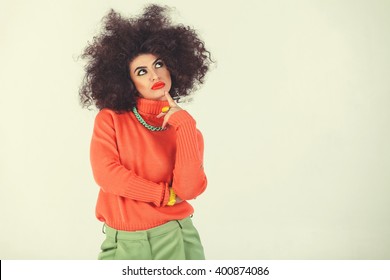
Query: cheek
column 167, row 75
column 139, row 84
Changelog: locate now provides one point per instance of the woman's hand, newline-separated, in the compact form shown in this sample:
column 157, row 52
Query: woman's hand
column 178, row 200
column 173, row 108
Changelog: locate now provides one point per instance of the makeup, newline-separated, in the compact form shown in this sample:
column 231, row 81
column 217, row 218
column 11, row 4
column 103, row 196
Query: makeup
column 158, row 85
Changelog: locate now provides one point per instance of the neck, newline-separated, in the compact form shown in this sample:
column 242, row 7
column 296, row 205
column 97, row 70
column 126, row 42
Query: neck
column 149, row 106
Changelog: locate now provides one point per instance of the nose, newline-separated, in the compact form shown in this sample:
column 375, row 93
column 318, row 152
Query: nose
column 153, row 75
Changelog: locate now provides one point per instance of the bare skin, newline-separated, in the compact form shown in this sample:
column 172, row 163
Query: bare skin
column 173, row 109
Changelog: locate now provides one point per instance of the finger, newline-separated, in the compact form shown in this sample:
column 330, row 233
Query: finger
column 161, row 115
column 164, row 123
column 170, row 100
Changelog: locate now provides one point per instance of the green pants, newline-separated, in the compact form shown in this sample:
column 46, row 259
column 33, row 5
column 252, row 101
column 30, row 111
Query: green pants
column 175, row 240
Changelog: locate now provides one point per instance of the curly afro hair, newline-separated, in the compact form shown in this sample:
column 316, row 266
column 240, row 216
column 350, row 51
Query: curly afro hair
column 107, row 82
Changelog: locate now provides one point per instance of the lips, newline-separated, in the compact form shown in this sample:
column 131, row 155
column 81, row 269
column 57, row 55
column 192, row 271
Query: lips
column 158, row 85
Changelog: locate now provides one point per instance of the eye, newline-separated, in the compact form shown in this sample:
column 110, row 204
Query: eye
column 141, row 72
column 159, row 64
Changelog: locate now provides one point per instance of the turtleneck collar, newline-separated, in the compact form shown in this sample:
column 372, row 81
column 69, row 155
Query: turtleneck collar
column 148, row 106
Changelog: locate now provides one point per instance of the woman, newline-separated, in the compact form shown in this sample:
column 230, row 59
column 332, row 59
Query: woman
column 146, row 152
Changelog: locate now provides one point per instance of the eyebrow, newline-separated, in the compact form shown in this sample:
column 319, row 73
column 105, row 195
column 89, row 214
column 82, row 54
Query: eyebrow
column 141, row 67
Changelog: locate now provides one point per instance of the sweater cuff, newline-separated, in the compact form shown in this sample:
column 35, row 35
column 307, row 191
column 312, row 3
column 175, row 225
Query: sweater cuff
column 180, row 117
column 165, row 197
column 146, row 193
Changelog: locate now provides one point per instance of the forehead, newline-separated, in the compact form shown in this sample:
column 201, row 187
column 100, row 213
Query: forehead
column 143, row 60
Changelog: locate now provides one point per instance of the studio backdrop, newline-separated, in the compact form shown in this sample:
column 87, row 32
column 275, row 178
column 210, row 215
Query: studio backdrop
column 294, row 113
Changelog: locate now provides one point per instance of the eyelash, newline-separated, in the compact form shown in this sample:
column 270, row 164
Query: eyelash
column 161, row 63
column 143, row 70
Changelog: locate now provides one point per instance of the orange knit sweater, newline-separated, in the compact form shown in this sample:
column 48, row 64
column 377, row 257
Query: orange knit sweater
column 135, row 167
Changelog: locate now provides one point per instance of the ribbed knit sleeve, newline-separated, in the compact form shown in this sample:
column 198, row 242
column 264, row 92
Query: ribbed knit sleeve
column 111, row 175
column 189, row 179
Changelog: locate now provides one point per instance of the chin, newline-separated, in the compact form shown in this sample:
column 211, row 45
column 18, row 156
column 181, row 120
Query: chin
column 162, row 97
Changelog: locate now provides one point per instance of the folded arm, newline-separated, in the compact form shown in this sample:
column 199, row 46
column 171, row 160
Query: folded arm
column 111, row 175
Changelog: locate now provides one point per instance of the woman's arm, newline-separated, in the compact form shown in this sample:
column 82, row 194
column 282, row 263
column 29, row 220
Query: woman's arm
column 189, row 179
column 111, row 175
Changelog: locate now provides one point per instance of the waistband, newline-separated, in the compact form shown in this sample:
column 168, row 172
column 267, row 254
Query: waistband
column 145, row 234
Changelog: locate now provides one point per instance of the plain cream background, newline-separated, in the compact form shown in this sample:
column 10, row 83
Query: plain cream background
column 295, row 117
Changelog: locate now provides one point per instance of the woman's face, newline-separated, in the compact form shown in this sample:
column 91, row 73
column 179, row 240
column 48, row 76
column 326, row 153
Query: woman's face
column 150, row 76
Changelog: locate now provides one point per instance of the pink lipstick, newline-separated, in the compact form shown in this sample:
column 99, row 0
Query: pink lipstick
column 158, row 85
